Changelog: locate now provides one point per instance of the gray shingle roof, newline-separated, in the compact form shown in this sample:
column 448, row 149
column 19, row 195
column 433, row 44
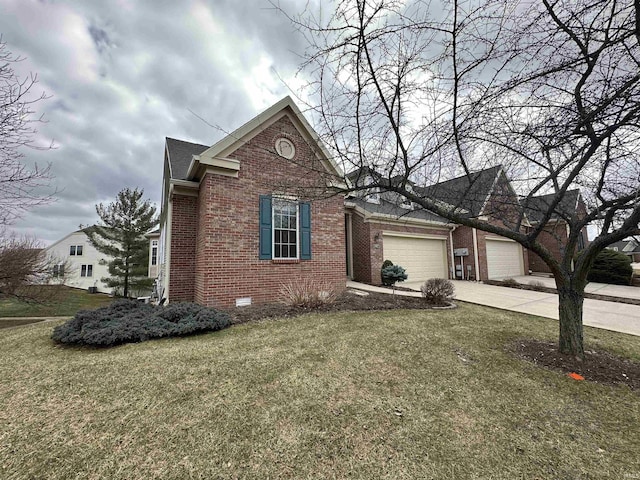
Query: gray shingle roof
column 467, row 192
column 537, row 206
column 388, row 208
column 180, row 153
column 628, row 246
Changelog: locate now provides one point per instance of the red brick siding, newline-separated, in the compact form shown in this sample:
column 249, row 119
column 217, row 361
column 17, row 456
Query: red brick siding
column 368, row 246
column 183, row 237
column 463, row 238
column 361, row 249
column 227, row 266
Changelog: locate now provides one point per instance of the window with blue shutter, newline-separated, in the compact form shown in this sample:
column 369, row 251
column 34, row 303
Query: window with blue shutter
column 305, row 231
column 265, row 227
column 285, row 229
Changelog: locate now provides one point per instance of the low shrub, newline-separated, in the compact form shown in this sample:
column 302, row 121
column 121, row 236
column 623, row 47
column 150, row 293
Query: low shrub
column 611, row 267
column 510, row 282
column 538, row 286
column 438, row 291
column 308, row 293
column 385, row 280
column 126, row 321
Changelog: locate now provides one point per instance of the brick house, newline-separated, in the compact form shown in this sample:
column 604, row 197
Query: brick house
column 630, row 247
column 238, row 220
column 486, row 195
column 556, row 232
column 235, row 224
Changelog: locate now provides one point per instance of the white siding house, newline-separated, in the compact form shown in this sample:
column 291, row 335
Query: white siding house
column 83, row 266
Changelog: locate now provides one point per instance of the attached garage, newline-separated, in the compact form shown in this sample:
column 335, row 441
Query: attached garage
column 504, row 259
column 422, row 257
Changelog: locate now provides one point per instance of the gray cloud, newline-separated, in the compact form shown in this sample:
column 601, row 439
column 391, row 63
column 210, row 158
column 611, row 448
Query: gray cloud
column 123, row 75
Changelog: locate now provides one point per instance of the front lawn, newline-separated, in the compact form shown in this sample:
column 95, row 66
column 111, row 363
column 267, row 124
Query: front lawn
column 394, row 394
column 67, row 303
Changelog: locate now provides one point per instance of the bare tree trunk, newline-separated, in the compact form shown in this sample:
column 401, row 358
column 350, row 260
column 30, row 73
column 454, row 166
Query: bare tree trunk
column 570, row 307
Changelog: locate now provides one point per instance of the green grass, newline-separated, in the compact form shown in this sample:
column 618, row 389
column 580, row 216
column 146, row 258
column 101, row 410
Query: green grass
column 397, row 395
column 68, row 303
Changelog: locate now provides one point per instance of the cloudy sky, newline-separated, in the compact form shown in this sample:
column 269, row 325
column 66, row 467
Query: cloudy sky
column 124, row 74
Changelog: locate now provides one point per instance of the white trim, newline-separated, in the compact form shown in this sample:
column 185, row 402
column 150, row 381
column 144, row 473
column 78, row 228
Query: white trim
column 452, row 268
column 500, row 239
column 394, row 220
column 476, row 256
column 259, row 123
column 273, row 229
column 199, row 166
column 493, row 186
column 414, row 235
column 167, row 263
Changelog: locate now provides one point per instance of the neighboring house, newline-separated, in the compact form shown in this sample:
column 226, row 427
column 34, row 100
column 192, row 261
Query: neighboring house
column 630, row 247
column 556, row 232
column 485, row 195
column 237, row 220
column 384, row 226
column 154, row 250
column 79, row 263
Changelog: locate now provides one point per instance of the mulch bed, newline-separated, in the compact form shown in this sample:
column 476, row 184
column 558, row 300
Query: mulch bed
column 601, row 367
column 593, row 296
column 345, row 302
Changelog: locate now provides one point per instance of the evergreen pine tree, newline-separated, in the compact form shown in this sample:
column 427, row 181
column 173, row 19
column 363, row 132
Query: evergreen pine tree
column 121, row 236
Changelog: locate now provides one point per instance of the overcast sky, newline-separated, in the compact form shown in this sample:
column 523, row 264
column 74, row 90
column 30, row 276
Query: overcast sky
column 125, row 74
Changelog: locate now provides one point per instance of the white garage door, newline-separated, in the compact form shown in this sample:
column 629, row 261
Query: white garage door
column 422, row 258
column 504, row 259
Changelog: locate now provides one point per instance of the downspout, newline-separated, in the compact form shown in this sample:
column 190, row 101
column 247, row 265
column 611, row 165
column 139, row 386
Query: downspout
column 475, row 254
column 452, row 269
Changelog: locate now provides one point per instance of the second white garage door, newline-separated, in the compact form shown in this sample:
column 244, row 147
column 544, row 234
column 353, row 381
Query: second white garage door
column 422, row 258
column 504, row 259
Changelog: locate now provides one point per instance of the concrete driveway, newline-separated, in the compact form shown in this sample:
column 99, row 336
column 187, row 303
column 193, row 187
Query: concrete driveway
column 618, row 317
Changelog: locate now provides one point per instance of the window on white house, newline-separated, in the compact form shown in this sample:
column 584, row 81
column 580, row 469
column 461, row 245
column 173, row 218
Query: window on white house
column 75, row 250
column 58, row 270
column 285, row 229
column 154, row 252
column 86, row 271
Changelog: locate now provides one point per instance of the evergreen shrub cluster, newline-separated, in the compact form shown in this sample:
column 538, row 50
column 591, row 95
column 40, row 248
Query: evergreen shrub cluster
column 611, row 267
column 126, row 321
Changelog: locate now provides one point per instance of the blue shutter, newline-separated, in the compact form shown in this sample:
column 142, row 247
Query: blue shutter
column 265, row 227
column 305, row 231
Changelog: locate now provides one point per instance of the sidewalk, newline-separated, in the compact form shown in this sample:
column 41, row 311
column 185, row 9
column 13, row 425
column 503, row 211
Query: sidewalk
column 618, row 317
column 624, row 291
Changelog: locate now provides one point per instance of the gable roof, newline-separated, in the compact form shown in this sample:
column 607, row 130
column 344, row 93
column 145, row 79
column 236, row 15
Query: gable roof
column 627, row 246
column 537, row 206
column 217, row 153
column 180, row 154
column 469, row 193
column 363, row 172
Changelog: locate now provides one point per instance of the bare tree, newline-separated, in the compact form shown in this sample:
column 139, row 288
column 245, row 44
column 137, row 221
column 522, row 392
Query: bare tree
column 21, row 186
column 419, row 91
column 25, row 270
column 27, row 273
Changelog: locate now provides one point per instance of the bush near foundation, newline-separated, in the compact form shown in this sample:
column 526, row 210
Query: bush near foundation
column 128, row 321
column 611, row 267
column 437, row 291
column 385, row 264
